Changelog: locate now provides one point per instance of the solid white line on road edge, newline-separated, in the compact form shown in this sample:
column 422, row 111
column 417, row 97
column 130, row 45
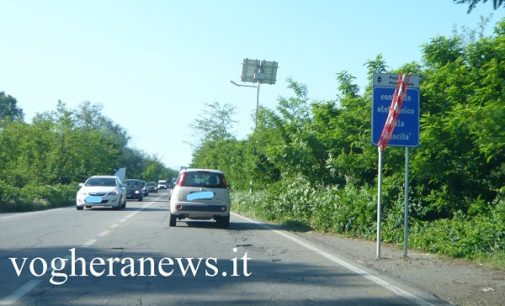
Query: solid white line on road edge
column 113, row 226
column 88, row 243
column 412, row 297
column 20, row 292
column 31, row 213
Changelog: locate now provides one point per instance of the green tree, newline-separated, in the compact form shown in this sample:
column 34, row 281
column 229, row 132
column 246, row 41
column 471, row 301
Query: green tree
column 473, row 3
column 214, row 123
column 217, row 147
column 8, row 108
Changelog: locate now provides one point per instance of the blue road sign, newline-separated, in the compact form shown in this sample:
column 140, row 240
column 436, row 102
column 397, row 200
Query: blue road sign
column 406, row 133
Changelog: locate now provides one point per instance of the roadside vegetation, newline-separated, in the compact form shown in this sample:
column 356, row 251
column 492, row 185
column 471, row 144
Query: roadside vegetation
column 312, row 163
column 42, row 162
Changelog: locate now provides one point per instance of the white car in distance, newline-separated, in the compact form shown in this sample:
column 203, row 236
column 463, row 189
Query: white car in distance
column 101, row 190
column 162, row 184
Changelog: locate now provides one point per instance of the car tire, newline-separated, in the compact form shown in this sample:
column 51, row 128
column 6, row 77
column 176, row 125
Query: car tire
column 79, row 207
column 124, row 205
column 141, row 199
column 117, row 207
column 224, row 222
column 173, row 220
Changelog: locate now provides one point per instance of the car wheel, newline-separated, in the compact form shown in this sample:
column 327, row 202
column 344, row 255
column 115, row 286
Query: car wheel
column 141, row 199
column 223, row 222
column 173, row 220
column 79, row 207
column 124, row 205
column 117, row 207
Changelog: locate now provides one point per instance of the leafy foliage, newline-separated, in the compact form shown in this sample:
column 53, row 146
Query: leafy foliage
column 9, row 111
column 41, row 162
column 473, row 3
column 314, row 164
column 214, row 123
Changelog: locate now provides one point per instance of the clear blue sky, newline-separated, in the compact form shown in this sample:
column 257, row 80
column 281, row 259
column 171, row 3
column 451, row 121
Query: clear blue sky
column 154, row 64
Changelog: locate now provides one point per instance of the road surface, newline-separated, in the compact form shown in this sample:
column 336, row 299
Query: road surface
column 132, row 257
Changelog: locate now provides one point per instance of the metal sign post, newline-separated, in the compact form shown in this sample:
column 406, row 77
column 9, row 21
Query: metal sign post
column 395, row 126
column 259, row 72
column 257, row 105
column 406, row 206
column 379, row 205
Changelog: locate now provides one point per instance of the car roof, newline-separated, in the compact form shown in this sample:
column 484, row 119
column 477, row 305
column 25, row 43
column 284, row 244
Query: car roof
column 104, row 176
column 202, row 170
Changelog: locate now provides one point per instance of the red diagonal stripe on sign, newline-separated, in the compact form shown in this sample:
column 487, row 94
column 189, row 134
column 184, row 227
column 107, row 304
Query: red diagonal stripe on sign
column 394, row 110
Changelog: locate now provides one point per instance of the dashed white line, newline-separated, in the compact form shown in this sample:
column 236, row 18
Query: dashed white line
column 20, row 292
column 104, row 233
column 23, row 290
column 88, row 243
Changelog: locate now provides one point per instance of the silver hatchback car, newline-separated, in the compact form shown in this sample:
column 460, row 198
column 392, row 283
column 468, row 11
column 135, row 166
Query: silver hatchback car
column 200, row 194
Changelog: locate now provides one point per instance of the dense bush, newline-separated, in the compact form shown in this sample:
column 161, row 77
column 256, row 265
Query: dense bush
column 36, row 197
column 314, row 162
column 352, row 211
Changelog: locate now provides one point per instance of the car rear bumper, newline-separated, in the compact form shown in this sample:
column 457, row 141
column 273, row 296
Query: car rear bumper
column 106, row 201
column 199, row 211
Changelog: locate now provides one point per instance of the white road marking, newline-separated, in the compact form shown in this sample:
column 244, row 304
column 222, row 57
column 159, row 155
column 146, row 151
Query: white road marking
column 88, row 243
column 6, row 216
column 23, row 290
column 339, row 261
column 20, row 292
column 104, row 233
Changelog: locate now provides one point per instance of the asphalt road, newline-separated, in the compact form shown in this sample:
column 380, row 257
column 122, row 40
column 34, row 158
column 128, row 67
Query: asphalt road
column 132, row 257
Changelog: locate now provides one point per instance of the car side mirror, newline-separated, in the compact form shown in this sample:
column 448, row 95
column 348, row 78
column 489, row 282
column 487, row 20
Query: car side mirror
column 81, row 184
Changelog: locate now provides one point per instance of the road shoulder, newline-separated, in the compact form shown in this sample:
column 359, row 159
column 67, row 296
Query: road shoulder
column 454, row 281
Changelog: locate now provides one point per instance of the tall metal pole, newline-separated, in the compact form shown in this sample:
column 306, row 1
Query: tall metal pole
column 257, row 104
column 379, row 205
column 406, row 207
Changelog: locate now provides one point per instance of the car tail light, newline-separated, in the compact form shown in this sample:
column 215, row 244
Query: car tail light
column 224, row 184
column 178, row 206
column 182, row 179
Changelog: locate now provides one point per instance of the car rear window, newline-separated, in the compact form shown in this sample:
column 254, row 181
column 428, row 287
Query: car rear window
column 109, row 182
column 203, row 179
column 132, row 183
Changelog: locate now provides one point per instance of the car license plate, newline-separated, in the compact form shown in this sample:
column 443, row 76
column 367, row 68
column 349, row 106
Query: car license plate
column 93, row 199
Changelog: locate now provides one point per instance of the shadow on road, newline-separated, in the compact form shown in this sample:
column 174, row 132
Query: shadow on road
column 234, row 225
column 128, row 208
column 270, row 282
